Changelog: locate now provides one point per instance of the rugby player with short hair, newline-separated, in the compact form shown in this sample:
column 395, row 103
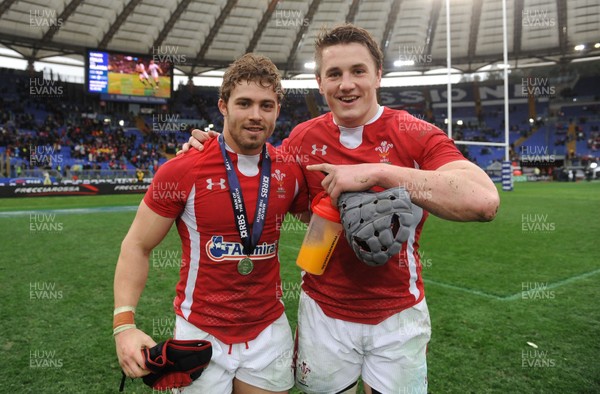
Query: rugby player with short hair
column 358, row 320
column 375, row 318
column 228, row 203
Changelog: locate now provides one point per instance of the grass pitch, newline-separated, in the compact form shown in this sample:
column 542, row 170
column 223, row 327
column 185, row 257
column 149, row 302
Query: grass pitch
column 131, row 84
column 513, row 303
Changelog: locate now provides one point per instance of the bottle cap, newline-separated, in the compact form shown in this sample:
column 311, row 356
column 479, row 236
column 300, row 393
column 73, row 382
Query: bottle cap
column 321, row 205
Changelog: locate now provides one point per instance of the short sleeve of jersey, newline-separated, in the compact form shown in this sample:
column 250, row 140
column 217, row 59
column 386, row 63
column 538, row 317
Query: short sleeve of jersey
column 291, row 144
column 436, row 149
column 171, row 185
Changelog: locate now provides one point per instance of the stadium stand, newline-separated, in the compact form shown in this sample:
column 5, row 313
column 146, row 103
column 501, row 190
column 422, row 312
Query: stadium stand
column 79, row 138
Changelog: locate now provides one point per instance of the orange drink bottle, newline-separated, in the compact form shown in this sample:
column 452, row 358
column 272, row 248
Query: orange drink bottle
column 322, row 235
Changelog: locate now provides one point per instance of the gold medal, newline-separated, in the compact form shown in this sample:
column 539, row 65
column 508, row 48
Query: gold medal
column 245, row 266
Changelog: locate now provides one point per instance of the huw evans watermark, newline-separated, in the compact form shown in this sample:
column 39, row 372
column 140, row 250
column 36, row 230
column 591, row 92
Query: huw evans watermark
column 167, row 259
column 287, row 223
column 44, row 155
column 44, row 359
column 414, row 124
column 163, row 327
column 168, row 54
column 290, row 18
column 419, row 191
column 288, row 290
column 168, row 123
column 536, row 291
column 537, row 18
column 537, row 87
column 536, row 223
column 413, row 55
column 537, row 155
column 44, row 222
column 536, row 359
column 291, row 154
column 44, row 18
column 48, row 88
column 169, row 191
column 423, row 260
column 44, row 291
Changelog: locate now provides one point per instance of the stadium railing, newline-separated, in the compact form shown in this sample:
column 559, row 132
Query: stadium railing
column 69, row 176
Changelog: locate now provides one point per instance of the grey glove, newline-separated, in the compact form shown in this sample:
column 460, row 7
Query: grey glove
column 376, row 224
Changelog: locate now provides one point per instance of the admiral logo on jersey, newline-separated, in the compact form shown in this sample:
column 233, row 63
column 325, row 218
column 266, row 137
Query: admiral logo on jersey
column 219, row 250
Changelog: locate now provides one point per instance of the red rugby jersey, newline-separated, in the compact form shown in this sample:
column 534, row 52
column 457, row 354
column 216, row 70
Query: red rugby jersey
column 349, row 289
column 211, row 293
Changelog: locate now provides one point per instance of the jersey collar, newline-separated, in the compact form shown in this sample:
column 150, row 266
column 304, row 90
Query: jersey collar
column 351, row 137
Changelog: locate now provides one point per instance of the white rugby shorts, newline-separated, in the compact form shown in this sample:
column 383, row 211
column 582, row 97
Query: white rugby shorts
column 264, row 362
column 390, row 356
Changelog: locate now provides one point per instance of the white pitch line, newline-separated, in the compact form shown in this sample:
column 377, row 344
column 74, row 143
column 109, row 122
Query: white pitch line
column 433, row 282
column 518, row 295
column 513, row 297
column 131, row 208
column 296, row 248
column 463, row 289
column 71, row 211
column 556, row 284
